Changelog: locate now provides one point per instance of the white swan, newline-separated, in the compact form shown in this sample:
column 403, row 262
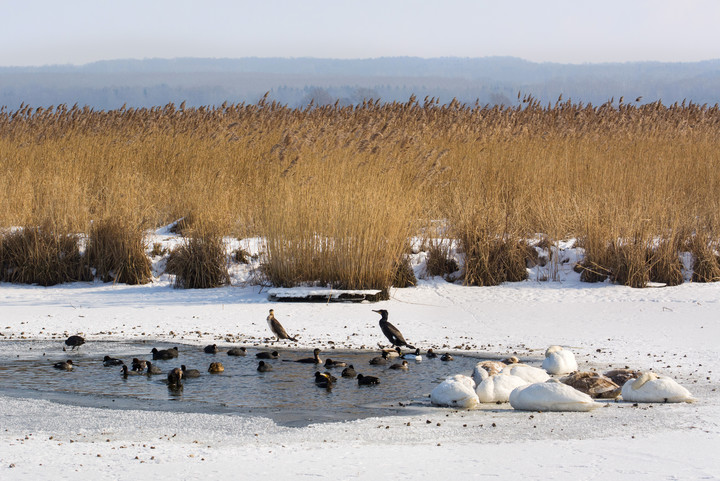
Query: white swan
column 550, row 396
column 529, row 373
column 463, row 379
column 651, row 388
column 497, row 388
column 455, row 392
column 485, row 369
column 559, row 361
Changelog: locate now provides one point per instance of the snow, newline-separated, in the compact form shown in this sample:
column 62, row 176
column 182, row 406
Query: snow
column 672, row 331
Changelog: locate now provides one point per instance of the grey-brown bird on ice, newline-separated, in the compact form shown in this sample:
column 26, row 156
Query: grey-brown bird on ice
column 277, row 329
column 391, row 332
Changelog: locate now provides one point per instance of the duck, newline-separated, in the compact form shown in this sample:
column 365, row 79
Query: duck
column 550, row 396
column 216, row 368
column 529, row 373
column 485, row 369
column 151, row 369
column 267, row 355
column 367, row 380
column 391, row 332
column 213, row 349
column 593, row 384
column 653, row 388
column 412, row 356
column 174, row 377
column 379, row 360
column 446, row 357
column 430, row 354
column 349, row 371
column 496, row 388
column 138, row 365
column 311, row 360
column 403, row 365
column 111, row 361
column 559, row 361
column 189, row 373
column 126, row 372
column 74, row 342
column 456, row 391
column 64, row 365
column 278, row 331
column 263, row 367
column 164, row 354
column 621, row 376
column 237, row 351
column 330, row 363
column 324, row 379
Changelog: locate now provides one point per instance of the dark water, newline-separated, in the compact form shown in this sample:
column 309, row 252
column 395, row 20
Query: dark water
column 287, row 395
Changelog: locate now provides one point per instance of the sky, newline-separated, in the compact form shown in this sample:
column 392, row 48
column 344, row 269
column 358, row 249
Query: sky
column 42, row 32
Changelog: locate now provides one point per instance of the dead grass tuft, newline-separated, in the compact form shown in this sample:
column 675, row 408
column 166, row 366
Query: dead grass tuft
column 200, row 262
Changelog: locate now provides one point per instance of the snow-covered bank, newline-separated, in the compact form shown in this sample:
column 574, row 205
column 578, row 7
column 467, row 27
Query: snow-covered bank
column 673, row 331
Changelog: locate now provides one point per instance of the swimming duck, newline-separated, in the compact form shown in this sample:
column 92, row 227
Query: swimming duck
column 391, row 332
column 349, row 371
column 403, row 365
column 237, row 351
column 111, row 361
column 367, row 380
column 262, row 367
column 621, row 376
column 380, row 360
column 430, row 354
column 497, row 387
column 74, row 342
column 455, row 391
column 529, row 373
column 485, row 369
column 593, row 384
column 550, row 396
column 189, row 373
column 164, row 354
column 267, row 355
column 126, row 372
column 152, row 369
column 324, row 379
column 174, row 377
column 330, row 363
column 278, row 331
column 211, row 349
column 412, row 356
column 446, row 357
column 652, row 388
column 216, row 367
column 64, row 365
column 138, row 365
column 559, row 361
column 311, row 360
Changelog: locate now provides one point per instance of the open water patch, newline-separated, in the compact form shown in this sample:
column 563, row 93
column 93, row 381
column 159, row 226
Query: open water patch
column 287, row 394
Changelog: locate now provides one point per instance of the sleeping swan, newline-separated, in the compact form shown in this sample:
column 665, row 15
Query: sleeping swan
column 550, row 396
column 455, row 391
column 651, row 388
column 559, row 361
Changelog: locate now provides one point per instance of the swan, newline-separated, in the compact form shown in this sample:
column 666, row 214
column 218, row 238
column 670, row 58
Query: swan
column 485, row 369
column 550, row 396
column 529, row 373
column 559, row 361
column 650, row 387
column 456, row 391
column 592, row 383
column 497, row 388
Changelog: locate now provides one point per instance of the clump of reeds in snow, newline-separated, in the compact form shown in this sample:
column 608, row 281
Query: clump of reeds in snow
column 42, row 255
column 200, row 261
column 439, row 260
column 490, row 261
column 404, row 276
column 116, row 249
column 706, row 267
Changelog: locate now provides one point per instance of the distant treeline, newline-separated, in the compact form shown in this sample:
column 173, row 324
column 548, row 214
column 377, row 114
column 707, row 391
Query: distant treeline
column 297, row 82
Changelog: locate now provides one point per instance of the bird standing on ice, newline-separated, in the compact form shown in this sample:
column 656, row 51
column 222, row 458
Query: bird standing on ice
column 277, row 328
column 391, row 332
column 559, row 361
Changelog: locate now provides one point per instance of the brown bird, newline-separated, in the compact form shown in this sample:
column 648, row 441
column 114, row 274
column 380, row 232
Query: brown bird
column 391, row 332
column 278, row 331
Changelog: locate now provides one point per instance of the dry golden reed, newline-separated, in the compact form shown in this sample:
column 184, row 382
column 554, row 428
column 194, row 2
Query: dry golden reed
column 337, row 192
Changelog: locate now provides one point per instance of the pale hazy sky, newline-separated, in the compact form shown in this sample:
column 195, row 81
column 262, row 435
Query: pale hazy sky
column 39, row 32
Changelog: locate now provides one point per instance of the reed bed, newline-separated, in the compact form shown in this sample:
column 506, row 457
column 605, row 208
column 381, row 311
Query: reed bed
column 337, row 192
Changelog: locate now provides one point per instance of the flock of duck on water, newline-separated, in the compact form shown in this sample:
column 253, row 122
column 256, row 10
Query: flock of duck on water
column 525, row 387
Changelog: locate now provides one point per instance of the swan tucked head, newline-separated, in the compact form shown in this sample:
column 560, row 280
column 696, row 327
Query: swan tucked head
column 552, row 349
column 643, row 378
